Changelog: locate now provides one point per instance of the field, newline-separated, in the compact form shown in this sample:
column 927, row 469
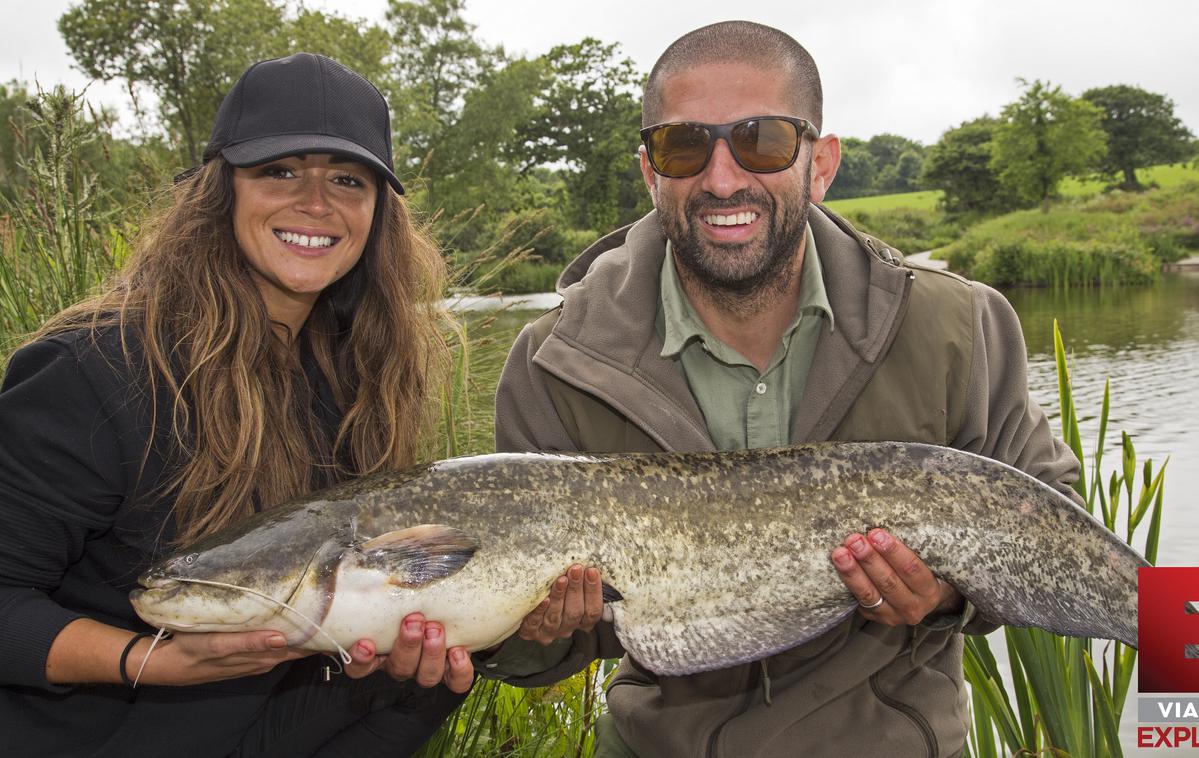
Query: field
column 923, row 201
column 1164, row 176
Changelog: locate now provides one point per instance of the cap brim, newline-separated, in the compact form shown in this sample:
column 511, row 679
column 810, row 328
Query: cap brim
column 262, row 149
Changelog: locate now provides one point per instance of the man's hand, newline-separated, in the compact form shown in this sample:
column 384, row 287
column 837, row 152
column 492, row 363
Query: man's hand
column 878, row 566
column 418, row 653
column 576, row 601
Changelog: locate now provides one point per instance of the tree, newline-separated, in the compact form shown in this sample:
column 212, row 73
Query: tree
column 479, row 151
column 856, row 174
column 1141, row 129
column 587, row 121
column 356, row 44
column 187, row 52
column 1044, row 137
column 437, row 61
column 901, row 176
column 887, row 149
column 960, row 165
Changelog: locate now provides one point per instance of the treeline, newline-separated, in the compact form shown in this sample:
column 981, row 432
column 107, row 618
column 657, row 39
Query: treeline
column 499, row 149
column 509, row 151
column 1018, row 159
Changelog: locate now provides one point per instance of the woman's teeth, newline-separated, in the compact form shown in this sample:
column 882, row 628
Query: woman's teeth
column 303, row 240
column 733, row 220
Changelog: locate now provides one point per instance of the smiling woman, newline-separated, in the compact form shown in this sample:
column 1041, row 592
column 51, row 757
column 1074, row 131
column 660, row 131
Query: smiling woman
column 275, row 330
column 302, row 223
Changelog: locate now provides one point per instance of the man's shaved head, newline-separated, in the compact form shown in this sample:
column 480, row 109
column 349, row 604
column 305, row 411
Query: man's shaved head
column 739, row 42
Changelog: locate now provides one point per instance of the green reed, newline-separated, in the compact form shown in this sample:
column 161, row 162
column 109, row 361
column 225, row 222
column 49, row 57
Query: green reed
column 58, row 237
column 1066, row 694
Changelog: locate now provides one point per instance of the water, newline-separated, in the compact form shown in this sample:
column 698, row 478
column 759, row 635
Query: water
column 1145, row 340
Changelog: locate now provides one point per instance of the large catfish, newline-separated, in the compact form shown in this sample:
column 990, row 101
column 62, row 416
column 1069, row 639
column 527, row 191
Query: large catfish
column 712, row 559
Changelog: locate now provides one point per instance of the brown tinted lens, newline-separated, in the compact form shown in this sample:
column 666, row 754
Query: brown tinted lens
column 765, row 144
column 679, row 149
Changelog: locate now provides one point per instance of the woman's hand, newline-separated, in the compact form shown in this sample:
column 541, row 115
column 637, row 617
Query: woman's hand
column 418, row 653
column 89, row 651
column 209, row 657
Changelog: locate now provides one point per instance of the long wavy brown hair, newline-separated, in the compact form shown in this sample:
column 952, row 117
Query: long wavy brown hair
column 243, row 428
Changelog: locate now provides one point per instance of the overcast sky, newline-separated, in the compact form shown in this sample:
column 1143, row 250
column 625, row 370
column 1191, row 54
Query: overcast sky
column 913, row 68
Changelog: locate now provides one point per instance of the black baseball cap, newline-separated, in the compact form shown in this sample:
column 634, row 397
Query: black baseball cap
column 303, row 103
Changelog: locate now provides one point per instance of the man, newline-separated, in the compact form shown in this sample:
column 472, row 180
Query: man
column 741, row 314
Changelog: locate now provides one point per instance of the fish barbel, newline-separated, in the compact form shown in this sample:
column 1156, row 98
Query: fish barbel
column 715, row 558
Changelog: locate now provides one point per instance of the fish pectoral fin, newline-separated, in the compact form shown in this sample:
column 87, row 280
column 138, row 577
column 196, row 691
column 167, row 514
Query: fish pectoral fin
column 418, row 555
column 611, row 594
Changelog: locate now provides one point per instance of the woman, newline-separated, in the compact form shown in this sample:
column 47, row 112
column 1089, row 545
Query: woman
column 274, row 331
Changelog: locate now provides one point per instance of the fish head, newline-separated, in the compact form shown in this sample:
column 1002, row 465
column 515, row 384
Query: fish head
column 233, row 582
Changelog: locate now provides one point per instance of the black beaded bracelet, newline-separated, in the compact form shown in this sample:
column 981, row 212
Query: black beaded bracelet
column 125, row 656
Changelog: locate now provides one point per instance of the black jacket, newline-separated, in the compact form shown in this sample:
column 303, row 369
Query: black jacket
column 82, row 514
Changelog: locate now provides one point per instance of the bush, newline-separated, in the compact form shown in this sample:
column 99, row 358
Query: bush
column 910, row 230
column 526, row 276
column 1169, row 220
column 1067, row 246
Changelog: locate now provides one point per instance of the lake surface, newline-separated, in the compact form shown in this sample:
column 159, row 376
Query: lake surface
column 1145, row 340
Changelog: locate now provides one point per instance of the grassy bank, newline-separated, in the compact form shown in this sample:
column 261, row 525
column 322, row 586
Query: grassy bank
column 1116, row 238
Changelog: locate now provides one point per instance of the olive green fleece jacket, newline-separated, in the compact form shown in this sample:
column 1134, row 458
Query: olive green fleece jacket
column 917, row 355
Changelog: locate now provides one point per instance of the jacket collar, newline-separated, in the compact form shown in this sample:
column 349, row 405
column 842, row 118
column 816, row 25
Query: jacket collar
column 605, row 343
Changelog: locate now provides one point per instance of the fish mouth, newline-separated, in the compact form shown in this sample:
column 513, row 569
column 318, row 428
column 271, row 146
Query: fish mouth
column 155, row 589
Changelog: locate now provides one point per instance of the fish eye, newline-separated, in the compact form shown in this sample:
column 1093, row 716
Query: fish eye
column 190, row 559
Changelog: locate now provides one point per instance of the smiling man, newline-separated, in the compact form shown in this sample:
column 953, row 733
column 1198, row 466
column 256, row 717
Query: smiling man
column 741, row 314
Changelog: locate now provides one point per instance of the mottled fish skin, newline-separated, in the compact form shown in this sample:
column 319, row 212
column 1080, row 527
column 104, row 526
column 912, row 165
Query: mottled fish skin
column 721, row 558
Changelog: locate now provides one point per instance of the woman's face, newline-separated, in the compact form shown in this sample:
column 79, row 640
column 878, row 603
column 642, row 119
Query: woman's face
column 302, row 223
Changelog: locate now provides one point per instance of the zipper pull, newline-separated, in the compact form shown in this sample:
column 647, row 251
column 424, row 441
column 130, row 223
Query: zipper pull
column 765, row 682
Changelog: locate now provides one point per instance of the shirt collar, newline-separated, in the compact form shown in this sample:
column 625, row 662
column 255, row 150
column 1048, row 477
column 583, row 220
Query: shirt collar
column 679, row 324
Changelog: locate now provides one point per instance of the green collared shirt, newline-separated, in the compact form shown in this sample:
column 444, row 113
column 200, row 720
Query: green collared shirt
column 742, row 407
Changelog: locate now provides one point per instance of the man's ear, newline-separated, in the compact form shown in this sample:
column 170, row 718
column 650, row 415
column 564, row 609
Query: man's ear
column 826, row 158
column 647, row 173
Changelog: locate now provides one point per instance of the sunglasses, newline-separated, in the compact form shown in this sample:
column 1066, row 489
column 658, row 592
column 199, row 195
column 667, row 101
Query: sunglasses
column 762, row 144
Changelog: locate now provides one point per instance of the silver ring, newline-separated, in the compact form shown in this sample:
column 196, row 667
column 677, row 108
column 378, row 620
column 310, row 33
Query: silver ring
column 875, row 604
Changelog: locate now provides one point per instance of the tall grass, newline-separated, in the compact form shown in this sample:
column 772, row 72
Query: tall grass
column 1064, row 696
column 1069, row 246
column 58, row 241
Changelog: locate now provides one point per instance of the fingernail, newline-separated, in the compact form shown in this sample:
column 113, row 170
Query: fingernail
column 576, row 573
column 361, row 650
column 858, row 545
column 458, row 655
column 432, row 633
column 412, row 627
column 841, row 558
column 277, row 642
column 593, row 576
column 880, row 538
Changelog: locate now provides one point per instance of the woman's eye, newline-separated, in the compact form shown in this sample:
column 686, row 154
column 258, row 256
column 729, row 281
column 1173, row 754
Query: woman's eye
column 277, row 172
column 350, row 180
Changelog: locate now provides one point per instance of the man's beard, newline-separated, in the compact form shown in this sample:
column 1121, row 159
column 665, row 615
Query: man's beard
column 744, row 274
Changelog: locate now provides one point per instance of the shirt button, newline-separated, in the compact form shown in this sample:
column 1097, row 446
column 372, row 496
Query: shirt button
column 761, row 388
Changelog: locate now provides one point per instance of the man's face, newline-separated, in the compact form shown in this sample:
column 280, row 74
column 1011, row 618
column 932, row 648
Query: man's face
column 733, row 229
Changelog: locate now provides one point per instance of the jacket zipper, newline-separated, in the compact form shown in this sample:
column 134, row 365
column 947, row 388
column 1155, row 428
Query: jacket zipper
column 751, row 689
column 913, row 715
